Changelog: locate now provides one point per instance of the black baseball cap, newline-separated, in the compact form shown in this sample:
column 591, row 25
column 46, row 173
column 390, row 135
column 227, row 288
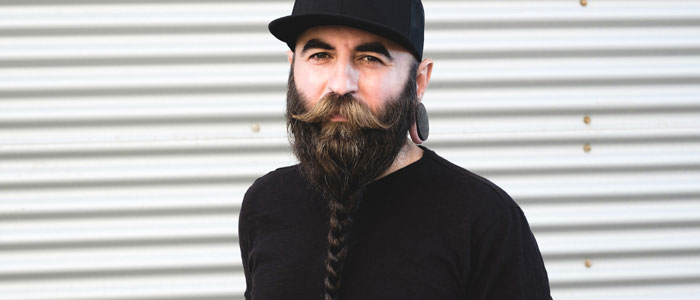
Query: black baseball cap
column 401, row 21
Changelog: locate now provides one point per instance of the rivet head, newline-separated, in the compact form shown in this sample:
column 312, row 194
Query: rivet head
column 255, row 127
column 588, row 263
column 587, row 119
column 587, row 147
column 584, row 2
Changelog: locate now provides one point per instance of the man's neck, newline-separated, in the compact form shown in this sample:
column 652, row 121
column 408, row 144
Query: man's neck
column 408, row 154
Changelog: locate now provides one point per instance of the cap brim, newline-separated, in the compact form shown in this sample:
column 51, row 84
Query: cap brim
column 289, row 28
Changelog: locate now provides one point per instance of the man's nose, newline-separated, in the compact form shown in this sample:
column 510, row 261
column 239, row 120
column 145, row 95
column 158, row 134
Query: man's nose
column 343, row 79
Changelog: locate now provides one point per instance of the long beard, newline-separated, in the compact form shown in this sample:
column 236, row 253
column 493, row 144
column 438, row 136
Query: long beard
column 340, row 158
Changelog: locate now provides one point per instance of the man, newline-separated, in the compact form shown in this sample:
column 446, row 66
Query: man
column 368, row 214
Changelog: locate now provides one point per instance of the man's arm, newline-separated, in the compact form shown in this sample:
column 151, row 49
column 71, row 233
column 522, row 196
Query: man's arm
column 244, row 242
column 506, row 263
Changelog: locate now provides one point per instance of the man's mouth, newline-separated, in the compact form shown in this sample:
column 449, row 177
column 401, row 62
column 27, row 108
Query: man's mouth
column 338, row 118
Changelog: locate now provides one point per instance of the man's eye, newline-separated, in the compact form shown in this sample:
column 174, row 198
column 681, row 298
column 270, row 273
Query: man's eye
column 320, row 55
column 371, row 59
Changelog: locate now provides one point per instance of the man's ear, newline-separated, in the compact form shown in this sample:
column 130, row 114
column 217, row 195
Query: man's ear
column 425, row 69
column 290, row 56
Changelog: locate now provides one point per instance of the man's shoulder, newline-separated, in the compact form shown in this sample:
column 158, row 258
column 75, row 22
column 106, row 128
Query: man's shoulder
column 446, row 173
column 273, row 185
column 479, row 197
column 279, row 177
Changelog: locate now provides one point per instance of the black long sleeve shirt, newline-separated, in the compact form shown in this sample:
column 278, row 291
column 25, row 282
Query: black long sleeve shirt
column 431, row 230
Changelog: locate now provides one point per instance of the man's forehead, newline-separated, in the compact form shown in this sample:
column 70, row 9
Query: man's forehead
column 344, row 34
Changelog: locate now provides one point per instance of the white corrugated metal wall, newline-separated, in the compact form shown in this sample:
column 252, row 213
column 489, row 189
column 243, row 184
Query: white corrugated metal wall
column 129, row 131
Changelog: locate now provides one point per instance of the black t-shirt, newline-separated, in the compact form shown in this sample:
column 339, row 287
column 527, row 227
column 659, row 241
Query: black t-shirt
column 431, row 230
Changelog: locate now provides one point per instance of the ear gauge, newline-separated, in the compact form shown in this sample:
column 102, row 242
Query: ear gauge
column 422, row 125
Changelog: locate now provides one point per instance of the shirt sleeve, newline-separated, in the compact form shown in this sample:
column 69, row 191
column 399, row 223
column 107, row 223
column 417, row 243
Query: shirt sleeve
column 244, row 236
column 505, row 260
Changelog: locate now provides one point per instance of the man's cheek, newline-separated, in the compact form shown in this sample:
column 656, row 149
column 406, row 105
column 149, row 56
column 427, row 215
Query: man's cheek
column 305, row 99
column 310, row 84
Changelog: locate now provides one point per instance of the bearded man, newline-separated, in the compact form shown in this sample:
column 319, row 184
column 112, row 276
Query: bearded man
column 367, row 213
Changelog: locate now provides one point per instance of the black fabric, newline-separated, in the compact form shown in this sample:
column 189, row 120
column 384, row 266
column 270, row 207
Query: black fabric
column 430, row 230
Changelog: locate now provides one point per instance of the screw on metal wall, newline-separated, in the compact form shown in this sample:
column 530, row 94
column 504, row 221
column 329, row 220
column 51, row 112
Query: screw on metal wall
column 587, row 121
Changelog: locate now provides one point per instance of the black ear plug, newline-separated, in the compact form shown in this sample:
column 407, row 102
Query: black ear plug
column 422, row 125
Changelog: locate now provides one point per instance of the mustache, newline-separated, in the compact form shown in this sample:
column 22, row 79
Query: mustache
column 357, row 113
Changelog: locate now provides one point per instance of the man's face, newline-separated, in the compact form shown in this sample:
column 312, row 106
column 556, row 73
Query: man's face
column 345, row 60
column 350, row 103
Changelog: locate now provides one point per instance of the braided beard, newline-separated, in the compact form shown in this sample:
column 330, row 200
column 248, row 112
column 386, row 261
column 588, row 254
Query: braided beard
column 340, row 158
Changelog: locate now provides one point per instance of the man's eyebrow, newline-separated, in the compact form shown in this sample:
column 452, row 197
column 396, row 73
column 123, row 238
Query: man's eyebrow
column 316, row 44
column 376, row 47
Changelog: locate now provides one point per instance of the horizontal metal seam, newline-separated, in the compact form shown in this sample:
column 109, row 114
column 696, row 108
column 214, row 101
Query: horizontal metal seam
column 122, row 272
column 7, row 247
column 104, row 214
